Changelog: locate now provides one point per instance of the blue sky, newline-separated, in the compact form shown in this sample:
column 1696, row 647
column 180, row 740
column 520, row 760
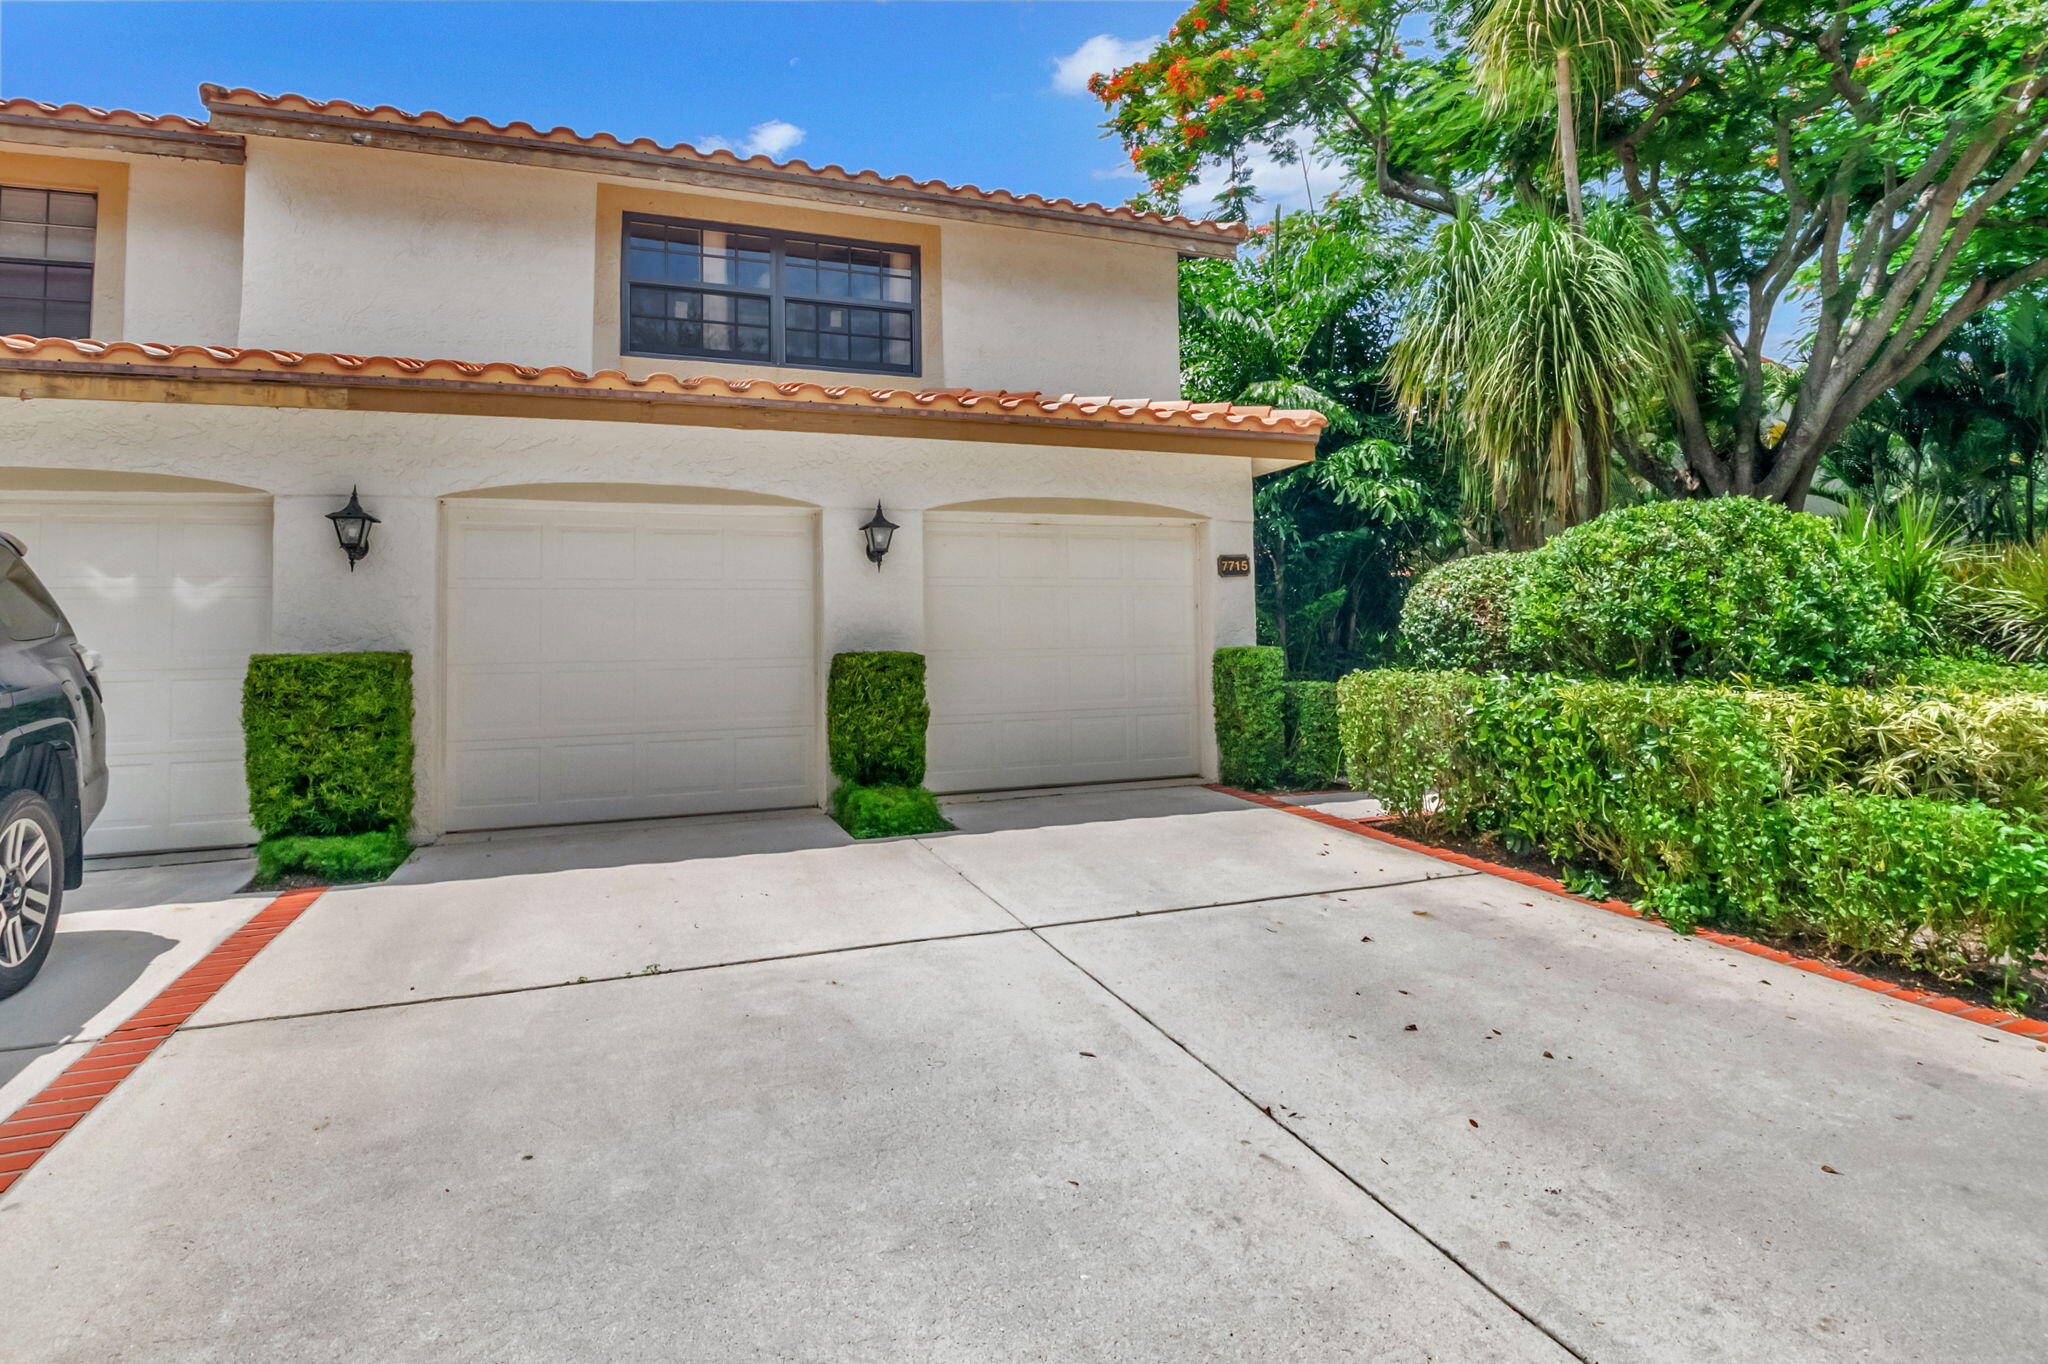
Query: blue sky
column 947, row 89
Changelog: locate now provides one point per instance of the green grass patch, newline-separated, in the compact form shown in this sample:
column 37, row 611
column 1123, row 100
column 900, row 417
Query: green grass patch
column 317, row 859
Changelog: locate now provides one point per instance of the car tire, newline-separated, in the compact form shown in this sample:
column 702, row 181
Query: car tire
column 31, row 870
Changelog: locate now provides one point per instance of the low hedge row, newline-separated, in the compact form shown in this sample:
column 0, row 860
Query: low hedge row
column 1850, row 816
column 1271, row 732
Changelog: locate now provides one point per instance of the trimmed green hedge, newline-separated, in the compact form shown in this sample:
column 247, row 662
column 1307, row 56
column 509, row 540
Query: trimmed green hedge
column 1249, row 683
column 1313, row 756
column 1459, row 614
column 1933, row 883
column 1721, row 588
column 328, row 743
column 886, row 811
column 876, row 716
column 1819, row 811
column 875, row 720
column 335, row 858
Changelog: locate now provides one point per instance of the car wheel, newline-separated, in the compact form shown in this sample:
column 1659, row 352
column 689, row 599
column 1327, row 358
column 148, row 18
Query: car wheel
column 31, row 886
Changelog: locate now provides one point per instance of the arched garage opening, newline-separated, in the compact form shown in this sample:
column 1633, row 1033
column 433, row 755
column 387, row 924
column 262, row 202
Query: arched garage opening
column 626, row 651
column 168, row 579
column 1062, row 642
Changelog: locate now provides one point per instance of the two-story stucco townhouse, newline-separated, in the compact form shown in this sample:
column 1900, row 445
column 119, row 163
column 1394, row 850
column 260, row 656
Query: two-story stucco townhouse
column 620, row 586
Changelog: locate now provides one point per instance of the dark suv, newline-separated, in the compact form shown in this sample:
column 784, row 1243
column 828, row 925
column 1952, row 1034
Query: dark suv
column 53, row 765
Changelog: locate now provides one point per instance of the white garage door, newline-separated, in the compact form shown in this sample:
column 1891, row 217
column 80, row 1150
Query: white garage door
column 174, row 592
column 624, row 663
column 1059, row 651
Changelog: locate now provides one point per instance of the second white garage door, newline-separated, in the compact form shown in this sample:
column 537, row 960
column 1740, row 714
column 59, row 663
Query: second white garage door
column 1059, row 651
column 624, row 663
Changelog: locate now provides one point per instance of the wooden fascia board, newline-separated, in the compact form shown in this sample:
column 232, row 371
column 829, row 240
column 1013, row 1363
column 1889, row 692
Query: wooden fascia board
column 506, row 149
column 59, row 132
column 30, row 379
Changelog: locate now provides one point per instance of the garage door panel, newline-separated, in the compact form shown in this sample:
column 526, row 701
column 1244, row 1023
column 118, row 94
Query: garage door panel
column 1059, row 652
column 496, row 625
column 174, row 594
column 673, row 663
column 601, row 553
column 487, row 553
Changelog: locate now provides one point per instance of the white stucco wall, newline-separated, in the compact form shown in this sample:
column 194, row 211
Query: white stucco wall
column 183, row 280
column 371, row 252
column 405, row 464
column 1027, row 309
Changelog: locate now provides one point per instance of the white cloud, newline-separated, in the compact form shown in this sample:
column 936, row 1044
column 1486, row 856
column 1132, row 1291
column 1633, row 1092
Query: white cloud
column 1287, row 184
column 1102, row 53
column 773, row 138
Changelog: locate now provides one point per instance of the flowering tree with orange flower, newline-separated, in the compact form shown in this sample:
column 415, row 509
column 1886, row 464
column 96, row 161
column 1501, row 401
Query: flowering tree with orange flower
column 1871, row 168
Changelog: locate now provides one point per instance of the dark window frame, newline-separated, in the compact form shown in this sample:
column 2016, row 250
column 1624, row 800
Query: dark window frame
column 90, row 267
column 777, row 294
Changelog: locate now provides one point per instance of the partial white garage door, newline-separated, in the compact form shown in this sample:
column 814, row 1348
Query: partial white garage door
column 1059, row 651
column 624, row 663
column 174, row 592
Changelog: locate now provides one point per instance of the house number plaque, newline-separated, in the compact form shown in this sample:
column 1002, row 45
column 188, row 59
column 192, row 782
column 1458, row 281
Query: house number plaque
column 1233, row 565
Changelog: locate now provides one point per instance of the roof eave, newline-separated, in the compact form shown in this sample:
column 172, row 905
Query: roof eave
column 115, row 137
column 85, row 379
column 234, row 117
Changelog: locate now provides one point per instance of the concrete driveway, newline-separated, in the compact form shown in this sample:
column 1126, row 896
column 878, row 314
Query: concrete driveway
column 1139, row 1075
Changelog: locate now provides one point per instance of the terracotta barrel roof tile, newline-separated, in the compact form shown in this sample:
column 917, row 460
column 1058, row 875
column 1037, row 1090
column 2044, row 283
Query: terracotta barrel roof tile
column 560, row 379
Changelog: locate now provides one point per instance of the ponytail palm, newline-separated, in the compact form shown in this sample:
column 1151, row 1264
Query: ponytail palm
column 1539, row 346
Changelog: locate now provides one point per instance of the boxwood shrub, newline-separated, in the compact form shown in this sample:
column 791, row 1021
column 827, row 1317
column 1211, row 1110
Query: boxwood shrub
column 328, row 743
column 333, row 858
column 1249, row 684
column 875, row 721
column 886, row 811
column 876, row 716
column 1713, row 589
column 1313, row 756
column 1458, row 614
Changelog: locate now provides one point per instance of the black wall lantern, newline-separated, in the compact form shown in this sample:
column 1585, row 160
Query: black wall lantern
column 352, row 527
column 879, row 531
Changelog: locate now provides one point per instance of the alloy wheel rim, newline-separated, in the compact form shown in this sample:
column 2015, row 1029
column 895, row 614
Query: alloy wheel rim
column 25, row 889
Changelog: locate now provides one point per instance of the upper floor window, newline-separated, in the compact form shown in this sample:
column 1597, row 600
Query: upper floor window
column 768, row 298
column 46, row 241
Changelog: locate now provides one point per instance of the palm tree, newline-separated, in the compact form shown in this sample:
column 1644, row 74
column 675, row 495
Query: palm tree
column 1537, row 344
column 1577, row 45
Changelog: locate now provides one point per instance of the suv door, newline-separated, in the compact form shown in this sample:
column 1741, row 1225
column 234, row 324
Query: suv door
column 55, row 738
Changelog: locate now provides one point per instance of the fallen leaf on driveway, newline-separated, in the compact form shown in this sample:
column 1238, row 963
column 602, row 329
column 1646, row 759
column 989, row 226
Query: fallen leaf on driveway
column 1367, row 938
column 1829, row 1170
column 1473, row 1121
column 1409, row 1028
column 1420, row 913
column 1089, row 1054
column 1548, row 1057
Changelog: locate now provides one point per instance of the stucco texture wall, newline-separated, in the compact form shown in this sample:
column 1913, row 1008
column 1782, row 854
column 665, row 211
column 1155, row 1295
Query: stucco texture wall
column 404, row 464
column 372, row 252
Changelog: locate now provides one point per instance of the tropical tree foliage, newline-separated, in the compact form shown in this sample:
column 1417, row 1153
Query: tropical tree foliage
column 1300, row 320
column 1864, row 165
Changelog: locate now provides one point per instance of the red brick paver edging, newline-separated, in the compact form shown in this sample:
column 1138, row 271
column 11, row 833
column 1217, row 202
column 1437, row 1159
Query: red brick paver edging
column 1926, row 999
column 41, row 1123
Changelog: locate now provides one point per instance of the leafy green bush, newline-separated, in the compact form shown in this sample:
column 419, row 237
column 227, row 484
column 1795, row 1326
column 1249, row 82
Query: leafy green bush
column 1313, row 756
column 1720, row 588
column 886, row 811
column 1679, row 788
column 1458, row 615
column 1402, row 733
column 1251, row 732
column 1981, row 673
column 1930, row 883
column 328, row 743
column 1952, row 743
column 876, row 716
column 333, row 858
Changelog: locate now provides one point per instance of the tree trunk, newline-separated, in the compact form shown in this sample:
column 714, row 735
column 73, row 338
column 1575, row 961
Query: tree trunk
column 1568, row 142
